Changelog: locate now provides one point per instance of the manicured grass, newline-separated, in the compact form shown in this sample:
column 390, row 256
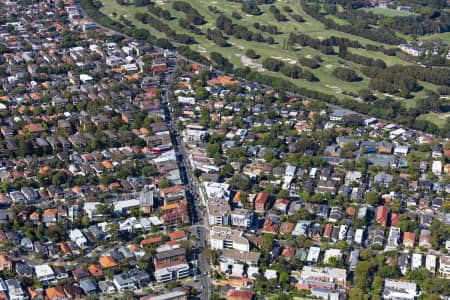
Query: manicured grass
column 337, row 20
column 389, row 60
column 420, row 155
column 327, row 82
column 438, row 119
column 411, row 103
column 386, row 12
column 445, row 37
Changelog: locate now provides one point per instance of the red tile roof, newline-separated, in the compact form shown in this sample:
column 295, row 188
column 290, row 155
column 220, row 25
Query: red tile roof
column 177, row 235
column 151, row 241
column 170, row 264
column 236, row 294
column 395, row 218
column 382, row 214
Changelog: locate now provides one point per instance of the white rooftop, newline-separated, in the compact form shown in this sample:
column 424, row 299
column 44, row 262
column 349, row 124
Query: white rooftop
column 270, row 274
column 43, row 270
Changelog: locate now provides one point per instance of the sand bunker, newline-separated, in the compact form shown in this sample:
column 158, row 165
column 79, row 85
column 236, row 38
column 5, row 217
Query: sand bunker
column 336, row 89
column 248, row 62
column 288, row 60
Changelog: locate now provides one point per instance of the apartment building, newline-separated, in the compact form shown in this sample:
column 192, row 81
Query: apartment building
column 171, row 271
column 44, row 273
column 394, row 238
column 241, row 218
column 314, row 276
column 444, row 265
column 174, row 295
column 399, row 289
column 224, row 238
column 218, row 211
column 169, row 253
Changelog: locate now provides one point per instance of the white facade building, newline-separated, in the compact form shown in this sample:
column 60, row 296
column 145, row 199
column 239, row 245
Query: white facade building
column 342, row 232
column 430, row 263
column 313, row 254
column 411, row 50
column 215, row 190
column 218, row 211
column 172, row 272
column 15, row 291
column 436, row 167
column 332, row 253
column 394, row 238
column 241, row 218
column 359, row 235
column 78, row 238
column 270, row 274
column 399, row 289
column 331, row 275
column 416, row 261
column 224, row 238
column 444, row 265
column 44, row 273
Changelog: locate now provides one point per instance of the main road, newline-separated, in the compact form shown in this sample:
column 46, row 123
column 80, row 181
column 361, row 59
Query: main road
column 191, row 187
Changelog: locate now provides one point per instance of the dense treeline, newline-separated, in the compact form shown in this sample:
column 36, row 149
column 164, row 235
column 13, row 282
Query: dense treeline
column 444, row 90
column 192, row 55
column 236, row 15
column 217, row 37
column 221, row 62
column 382, row 35
column 255, row 1
column 272, row 64
column 432, row 19
column 305, row 40
column 291, row 71
column 310, row 62
column 159, row 12
column 224, row 23
column 192, row 15
column 404, row 78
column 439, row 4
column 354, row 4
column 326, row 47
column 360, row 59
column 432, row 104
column 141, row 3
column 240, row 32
column 422, row 24
column 162, row 27
column 214, row 9
column 272, row 29
column 297, row 18
column 388, row 51
column 187, row 25
column 277, row 14
column 251, row 8
column 92, row 9
column 387, row 82
column 345, row 74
